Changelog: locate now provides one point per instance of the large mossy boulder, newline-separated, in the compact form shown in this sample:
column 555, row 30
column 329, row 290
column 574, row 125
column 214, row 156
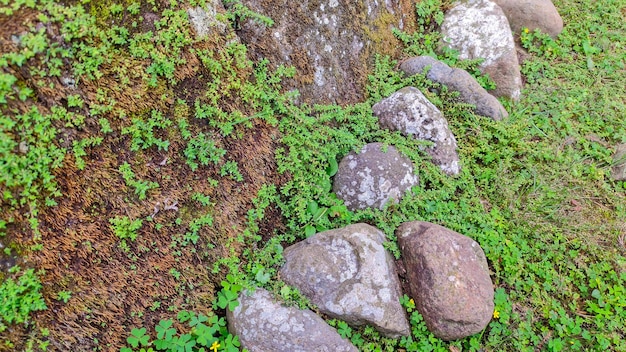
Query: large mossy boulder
column 331, row 43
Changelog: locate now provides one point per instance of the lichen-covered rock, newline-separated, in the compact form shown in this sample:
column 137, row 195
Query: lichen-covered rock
column 411, row 113
column 373, row 177
column 458, row 80
column 479, row 29
column 331, row 43
column 349, row 275
column 532, row 14
column 205, row 19
column 618, row 171
column 265, row 325
column 448, row 278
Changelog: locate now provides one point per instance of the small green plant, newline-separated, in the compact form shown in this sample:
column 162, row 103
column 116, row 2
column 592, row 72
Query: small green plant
column 227, row 296
column 75, row 101
column 206, row 333
column 231, row 169
column 105, row 125
column 426, row 38
column 201, row 198
column 19, row 297
column 141, row 187
column 201, row 150
column 64, row 296
column 238, row 12
column 143, row 132
column 78, row 147
column 125, row 229
column 540, row 43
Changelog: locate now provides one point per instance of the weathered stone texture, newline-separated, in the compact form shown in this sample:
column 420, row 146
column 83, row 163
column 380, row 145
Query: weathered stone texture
column 448, row 278
column 479, row 29
column 411, row 113
column 331, row 43
column 349, row 275
column 470, row 91
column 265, row 325
column 618, row 171
column 532, row 14
column 373, row 177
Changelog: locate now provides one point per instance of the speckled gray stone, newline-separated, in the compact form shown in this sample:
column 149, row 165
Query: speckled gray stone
column 457, row 80
column 411, row 113
column 373, row 177
column 448, row 279
column 265, row 325
column 479, row 29
column 349, row 275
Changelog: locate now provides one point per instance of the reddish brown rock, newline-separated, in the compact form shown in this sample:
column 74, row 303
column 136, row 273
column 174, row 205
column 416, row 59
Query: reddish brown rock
column 448, row 279
column 532, row 14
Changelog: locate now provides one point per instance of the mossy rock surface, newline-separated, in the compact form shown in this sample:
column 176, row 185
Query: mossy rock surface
column 331, row 43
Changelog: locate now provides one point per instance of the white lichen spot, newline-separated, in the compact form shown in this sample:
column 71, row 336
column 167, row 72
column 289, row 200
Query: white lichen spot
column 333, row 3
column 318, row 76
column 384, row 294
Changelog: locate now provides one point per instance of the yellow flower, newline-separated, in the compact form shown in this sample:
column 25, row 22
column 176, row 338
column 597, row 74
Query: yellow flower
column 214, row 346
column 412, row 302
column 496, row 314
column 526, row 30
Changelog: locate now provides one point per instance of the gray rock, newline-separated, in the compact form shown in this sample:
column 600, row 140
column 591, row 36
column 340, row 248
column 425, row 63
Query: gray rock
column 532, row 14
column 479, row 29
column 448, row 278
column 618, row 171
column 331, row 43
column 349, row 275
column 458, row 80
column 411, row 113
column 265, row 325
column 206, row 20
column 373, row 177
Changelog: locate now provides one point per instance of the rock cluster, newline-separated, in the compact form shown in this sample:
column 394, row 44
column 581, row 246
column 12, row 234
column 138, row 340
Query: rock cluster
column 349, row 275
column 346, row 272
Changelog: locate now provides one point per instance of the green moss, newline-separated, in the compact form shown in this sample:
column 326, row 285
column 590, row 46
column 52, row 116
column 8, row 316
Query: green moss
column 106, row 11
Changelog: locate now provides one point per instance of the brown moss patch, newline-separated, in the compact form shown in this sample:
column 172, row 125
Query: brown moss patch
column 113, row 290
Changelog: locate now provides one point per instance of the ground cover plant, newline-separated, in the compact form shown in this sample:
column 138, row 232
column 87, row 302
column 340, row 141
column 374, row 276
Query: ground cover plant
column 148, row 176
